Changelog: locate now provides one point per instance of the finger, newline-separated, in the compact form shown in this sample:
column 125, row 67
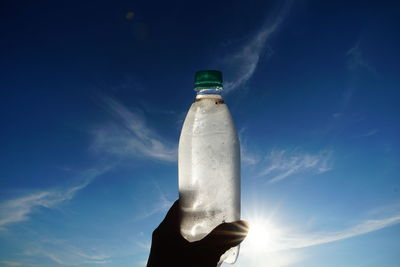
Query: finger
column 225, row 236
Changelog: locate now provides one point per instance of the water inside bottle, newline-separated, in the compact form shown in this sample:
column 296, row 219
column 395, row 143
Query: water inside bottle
column 209, row 171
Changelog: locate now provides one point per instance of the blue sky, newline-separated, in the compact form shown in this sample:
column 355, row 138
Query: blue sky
column 94, row 96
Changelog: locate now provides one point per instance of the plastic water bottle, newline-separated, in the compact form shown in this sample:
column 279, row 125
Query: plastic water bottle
column 209, row 163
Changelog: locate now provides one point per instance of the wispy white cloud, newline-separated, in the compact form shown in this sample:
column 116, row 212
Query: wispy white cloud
column 161, row 205
column 313, row 239
column 281, row 250
column 145, row 246
column 272, row 242
column 247, row 58
column 283, row 163
column 357, row 61
column 344, row 102
column 18, row 209
column 286, row 240
column 10, row 263
column 63, row 253
column 130, row 136
column 247, row 157
column 371, row 132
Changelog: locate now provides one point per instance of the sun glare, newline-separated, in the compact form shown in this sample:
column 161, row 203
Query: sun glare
column 262, row 236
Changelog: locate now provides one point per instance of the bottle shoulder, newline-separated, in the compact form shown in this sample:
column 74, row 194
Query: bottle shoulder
column 209, row 118
column 209, row 104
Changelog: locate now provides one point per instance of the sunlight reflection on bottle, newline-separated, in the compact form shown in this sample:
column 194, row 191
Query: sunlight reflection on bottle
column 197, row 230
column 196, row 204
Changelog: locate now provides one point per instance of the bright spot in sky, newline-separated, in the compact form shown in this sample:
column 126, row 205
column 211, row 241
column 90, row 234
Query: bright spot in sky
column 262, row 236
column 265, row 244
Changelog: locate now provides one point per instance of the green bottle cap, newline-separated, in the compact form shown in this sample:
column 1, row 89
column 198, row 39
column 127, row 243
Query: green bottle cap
column 208, row 79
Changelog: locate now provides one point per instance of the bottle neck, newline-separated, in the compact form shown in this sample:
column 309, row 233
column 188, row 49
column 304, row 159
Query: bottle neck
column 209, row 97
column 209, row 90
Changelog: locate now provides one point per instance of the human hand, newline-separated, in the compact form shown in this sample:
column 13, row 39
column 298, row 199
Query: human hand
column 170, row 249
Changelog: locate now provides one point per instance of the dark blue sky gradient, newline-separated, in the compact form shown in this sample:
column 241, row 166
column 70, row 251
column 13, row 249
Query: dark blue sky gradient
column 92, row 103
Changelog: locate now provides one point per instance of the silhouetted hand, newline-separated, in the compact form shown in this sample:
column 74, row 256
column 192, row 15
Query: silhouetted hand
column 170, row 249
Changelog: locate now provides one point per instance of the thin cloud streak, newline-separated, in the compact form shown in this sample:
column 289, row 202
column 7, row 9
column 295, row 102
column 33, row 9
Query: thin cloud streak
column 314, row 239
column 283, row 163
column 10, row 263
column 18, row 209
column 62, row 253
column 282, row 246
column 130, row 136
column 371, row 133
column 356, row 63
column 248, row 57
column 357, row 60
column 247, row 157
column 162, row 205
column 270, row 242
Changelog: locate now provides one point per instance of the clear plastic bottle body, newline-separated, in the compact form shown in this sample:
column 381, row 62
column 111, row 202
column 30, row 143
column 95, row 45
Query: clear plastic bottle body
column 209, row 170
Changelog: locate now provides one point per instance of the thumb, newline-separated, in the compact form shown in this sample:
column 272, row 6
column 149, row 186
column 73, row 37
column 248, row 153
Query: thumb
column 225, row 236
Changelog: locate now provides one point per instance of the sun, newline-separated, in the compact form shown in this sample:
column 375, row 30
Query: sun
column 263, row 235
